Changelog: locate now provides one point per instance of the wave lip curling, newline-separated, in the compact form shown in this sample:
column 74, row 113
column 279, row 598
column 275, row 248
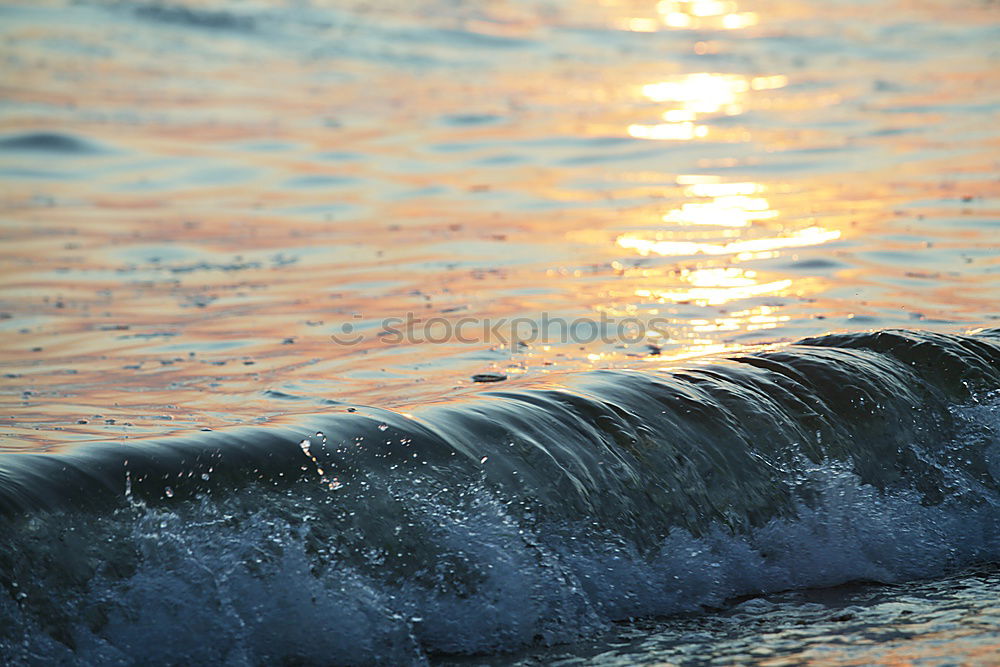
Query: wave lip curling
column 513, row 517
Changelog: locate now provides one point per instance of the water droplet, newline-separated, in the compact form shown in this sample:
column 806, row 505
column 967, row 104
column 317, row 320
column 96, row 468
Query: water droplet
column 319, row 434
column 484, row 459
column 169, row 492
column 383, row 427
column 204, row 476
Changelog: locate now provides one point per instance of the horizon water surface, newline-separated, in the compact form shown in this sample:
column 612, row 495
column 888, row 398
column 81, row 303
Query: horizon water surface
column 307, row 225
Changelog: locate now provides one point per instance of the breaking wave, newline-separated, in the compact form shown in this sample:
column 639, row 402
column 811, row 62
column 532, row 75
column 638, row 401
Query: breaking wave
column 521, row 516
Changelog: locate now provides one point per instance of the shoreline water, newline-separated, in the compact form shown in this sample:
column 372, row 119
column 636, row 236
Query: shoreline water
column 821, row 384
column 517, row 518
column 224, row 228
column 945, row 620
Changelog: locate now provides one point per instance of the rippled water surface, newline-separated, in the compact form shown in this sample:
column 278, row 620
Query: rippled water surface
column 219, row 213
column 946, row 622
column 196, row 196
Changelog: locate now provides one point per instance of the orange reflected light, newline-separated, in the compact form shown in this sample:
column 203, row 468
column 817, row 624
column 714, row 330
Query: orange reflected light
column 769, row 82
column 739, row 21
column 715, row 189
column 639, row 25
column 703, row 92
column 731, row 205
column 694, row 94
column 803, row 237
column 700, row 14
column 752, row 319
column 713, row 287
column 698, row 347
column 668, row 131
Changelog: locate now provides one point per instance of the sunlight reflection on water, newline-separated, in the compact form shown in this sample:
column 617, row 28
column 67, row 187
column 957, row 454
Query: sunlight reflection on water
column 195, row 200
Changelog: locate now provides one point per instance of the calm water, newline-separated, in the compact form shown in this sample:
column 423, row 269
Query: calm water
column 195, row 198
column 235, row 213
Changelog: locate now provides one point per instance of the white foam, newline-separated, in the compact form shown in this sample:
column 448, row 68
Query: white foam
column 242, row 592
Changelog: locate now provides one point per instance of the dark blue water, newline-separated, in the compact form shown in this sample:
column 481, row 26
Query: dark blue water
column 514, row 519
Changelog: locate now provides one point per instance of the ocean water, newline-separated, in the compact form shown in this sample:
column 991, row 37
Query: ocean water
column 533, row 331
